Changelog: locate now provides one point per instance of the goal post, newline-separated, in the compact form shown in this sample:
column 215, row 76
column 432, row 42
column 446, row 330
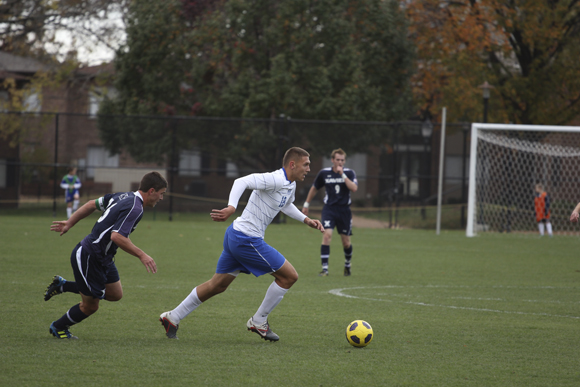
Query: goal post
column 507, row 162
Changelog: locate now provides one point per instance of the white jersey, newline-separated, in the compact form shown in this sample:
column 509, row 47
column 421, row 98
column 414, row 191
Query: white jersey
column 272, row 193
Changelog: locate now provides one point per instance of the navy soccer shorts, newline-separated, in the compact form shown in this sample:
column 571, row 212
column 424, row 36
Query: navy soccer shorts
column 70, row 197
column 247, row 255
column 92, row 277
column 339, row 217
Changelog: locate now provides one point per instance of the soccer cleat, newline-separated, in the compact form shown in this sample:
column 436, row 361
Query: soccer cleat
column 346, row 271
column 323, row 273
column 62, row 334
column 263, row 330
column 170, row 327
column 53, row 289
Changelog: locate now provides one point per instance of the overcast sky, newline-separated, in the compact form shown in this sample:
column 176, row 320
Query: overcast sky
column 93, row 48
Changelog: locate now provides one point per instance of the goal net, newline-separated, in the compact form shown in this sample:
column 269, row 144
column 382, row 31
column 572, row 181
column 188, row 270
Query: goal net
column 507, row 164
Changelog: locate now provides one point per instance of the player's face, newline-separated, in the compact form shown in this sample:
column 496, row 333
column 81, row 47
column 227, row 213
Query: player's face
column 155, row 196
column 338, row 160
column 301, row 169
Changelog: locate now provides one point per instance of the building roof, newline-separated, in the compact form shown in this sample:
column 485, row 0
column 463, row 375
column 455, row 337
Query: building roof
column 17, row 64
column 107, row 68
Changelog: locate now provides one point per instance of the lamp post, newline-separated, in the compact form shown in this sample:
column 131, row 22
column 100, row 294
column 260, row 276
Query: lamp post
column 486, row 88
column 426, row 132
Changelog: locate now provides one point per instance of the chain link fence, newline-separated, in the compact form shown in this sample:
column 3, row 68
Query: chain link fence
column 396, row 163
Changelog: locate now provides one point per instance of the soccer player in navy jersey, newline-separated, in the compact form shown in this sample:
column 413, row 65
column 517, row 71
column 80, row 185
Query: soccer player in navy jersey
column 244, row 248
column 92, row 260
column 339, row 183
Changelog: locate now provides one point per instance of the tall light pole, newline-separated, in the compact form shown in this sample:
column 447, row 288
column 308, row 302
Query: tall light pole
column 486, row 88
column 426, row 132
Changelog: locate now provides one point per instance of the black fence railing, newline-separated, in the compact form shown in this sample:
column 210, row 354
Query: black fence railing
column 396, row 163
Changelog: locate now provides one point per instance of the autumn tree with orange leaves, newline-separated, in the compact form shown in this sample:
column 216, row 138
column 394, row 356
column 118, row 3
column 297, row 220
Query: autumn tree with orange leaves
column 528, row 50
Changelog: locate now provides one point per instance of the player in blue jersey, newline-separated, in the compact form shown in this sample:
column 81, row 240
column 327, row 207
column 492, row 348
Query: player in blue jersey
column 92, row 260
column 71, row 184
column 244, row 248
column 339, row 183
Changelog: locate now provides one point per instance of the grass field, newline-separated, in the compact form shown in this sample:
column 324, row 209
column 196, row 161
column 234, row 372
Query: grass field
column 495, row 310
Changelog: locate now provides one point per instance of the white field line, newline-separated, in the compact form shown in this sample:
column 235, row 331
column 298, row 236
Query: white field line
column 341, row 293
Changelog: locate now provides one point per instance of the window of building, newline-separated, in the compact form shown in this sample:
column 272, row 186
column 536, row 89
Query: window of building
column 32, row 103
column 96, row 96
column 98, row 156
column 190, row 163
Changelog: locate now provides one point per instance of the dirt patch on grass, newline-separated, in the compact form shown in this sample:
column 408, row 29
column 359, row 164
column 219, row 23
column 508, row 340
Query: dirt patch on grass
column 361, row 222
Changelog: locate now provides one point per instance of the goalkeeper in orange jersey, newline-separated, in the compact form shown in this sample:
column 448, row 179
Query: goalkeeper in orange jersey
column 542, row 207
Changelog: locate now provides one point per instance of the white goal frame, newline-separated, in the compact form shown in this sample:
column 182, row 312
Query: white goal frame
column 475, row 128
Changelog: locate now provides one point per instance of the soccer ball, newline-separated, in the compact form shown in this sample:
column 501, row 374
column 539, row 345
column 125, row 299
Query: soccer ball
column 359, row 333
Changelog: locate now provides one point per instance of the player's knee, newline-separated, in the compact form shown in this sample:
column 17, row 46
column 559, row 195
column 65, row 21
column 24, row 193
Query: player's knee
column 293, row 278
column 114, row 296
column 288, row 280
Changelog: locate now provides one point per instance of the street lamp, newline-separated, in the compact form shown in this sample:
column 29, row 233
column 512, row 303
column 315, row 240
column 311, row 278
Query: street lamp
column 426, row 132
column 486, row 87
column 426, row 129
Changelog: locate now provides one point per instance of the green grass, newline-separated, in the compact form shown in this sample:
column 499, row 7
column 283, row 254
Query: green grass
column 496, row 310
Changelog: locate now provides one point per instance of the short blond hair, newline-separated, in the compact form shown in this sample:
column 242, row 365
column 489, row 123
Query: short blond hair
column 339, row 151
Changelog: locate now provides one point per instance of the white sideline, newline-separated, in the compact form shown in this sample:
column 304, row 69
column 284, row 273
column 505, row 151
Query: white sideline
column 340, row 293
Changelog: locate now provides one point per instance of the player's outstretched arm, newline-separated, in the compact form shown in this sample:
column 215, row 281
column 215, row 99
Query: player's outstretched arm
column 309, row 198
column 575, row 214
column 62, row 226
column 223, row 214
column 314, row 223
column 127, row 246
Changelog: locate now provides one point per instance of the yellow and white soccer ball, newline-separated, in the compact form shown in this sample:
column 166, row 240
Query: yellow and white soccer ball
column 359, row 333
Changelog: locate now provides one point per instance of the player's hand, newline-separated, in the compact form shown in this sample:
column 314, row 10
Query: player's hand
column 305, row 210
column 223, row 214
column 314, row 224
column 339, row 169
column 574, row 217
column 149, row 263
column 59, row 226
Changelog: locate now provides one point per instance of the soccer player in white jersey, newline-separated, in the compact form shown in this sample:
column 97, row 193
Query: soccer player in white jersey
column 244, row 248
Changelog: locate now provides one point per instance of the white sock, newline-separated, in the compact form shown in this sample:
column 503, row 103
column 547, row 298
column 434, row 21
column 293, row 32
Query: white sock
column 273, row 297
column 75, row 205
column 187, row 306
column 541, row 228
column 549, row 228
column 68, row 212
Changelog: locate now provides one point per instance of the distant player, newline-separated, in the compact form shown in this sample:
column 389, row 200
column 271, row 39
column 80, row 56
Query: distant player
column 542, row 207
column 93, row 259
column 71, row 184
column 339, row 183
column 244, row 248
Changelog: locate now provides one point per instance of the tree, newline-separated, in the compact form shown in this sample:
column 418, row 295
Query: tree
column 29, row 27
column 345, row 60
column 528, row 50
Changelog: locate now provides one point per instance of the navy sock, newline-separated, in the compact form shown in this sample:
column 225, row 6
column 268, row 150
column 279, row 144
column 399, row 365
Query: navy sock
column 324, row 254
column 347, row 256
column 74, row 316
column 70, row 287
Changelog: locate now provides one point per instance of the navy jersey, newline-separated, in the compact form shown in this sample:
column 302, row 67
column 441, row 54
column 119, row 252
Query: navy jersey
column 122, row 212
column 337, row 193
